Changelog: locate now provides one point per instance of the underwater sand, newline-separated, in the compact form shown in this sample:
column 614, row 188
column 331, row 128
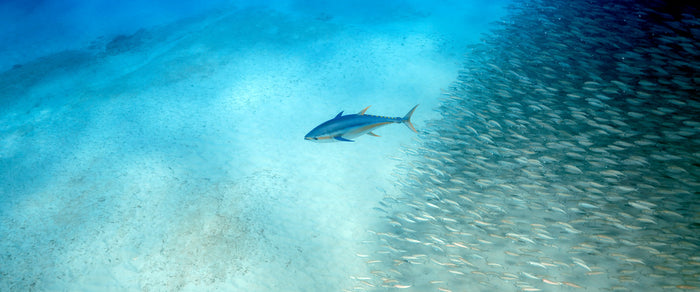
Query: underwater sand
column 173, row 158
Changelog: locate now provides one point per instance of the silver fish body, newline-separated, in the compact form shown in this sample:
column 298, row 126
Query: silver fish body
column 345, row 127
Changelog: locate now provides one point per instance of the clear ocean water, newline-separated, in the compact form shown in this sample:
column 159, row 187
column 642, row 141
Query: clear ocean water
column 160, row 146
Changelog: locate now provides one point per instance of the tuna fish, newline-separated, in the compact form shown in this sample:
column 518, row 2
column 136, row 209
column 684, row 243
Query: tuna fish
column 345, row 127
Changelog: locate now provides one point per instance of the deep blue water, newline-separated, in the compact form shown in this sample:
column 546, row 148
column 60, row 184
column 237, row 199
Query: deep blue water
column 159, row 147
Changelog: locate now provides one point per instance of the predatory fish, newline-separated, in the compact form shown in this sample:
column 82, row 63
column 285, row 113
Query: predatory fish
column 346, row 127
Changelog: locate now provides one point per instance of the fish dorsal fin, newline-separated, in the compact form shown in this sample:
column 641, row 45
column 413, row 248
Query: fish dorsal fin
column 362, row 112
column 340, row 114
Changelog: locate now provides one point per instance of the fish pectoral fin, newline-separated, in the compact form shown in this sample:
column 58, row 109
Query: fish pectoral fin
column 340, row 138
column 373, row 134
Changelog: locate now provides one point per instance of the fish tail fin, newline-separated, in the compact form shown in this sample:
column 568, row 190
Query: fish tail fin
column 407, row 119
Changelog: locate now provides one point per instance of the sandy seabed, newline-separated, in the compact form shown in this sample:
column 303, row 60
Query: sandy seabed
column 173, row 158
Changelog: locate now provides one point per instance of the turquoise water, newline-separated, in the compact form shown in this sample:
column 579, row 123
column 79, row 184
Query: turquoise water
column 160, row 147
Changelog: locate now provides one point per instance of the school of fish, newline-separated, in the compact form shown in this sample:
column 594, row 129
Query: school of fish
column 567, row 158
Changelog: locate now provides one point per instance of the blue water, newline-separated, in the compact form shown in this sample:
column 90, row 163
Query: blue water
column 160, row 147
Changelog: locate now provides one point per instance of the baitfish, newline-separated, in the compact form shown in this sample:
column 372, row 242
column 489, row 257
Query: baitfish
column 346, row 127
